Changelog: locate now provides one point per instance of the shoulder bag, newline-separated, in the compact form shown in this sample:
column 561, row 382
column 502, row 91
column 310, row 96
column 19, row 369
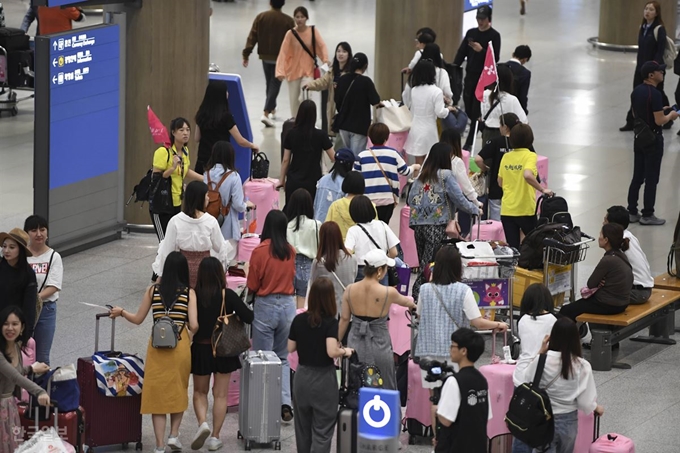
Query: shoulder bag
column 392, row 275
column 160, row 192
column 482, row 122
column 645, row 137
column 334, row 122
column 229, row 337
column 317, row 70
column 389, row 181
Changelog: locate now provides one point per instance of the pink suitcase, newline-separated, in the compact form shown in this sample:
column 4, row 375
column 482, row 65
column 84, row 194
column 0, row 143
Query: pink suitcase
column 246, row 246
column 466, row 159
column 489, row 230
column 407, row 239
column 396, row 141
column 418, row 404
column 612, row 443
column 400, row 332
column 263, row 194
column 586, row 432
column 28, row 358
column 234, row 385
column 501, row 388
column 542, row 166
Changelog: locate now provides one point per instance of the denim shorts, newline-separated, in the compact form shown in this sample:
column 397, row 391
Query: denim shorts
column 303, row 268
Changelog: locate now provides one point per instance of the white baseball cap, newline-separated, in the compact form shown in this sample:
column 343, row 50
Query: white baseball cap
column 377, row 258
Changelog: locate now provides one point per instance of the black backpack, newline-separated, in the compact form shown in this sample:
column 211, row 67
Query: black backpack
column 143, row 190
column 530, row 416
column 455, row 73
column 553, row 209
column 558, row 235
column 674, row 254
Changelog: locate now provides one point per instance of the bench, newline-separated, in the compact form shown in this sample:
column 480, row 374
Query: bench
column 658, row 314
column 665, row 281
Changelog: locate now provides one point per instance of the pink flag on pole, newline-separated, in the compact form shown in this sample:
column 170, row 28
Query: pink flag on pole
column 489, row 74
column 158, row 131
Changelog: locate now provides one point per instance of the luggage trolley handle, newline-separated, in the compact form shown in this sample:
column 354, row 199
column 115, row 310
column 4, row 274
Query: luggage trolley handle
column 96, row 331
column 54, row 404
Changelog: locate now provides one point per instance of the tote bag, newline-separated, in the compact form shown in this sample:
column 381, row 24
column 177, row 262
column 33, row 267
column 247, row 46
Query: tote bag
column 397, row 117
column 118, row 376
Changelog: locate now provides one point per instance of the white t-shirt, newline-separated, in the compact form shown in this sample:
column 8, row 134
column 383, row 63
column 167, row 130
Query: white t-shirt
column 567, row 395
column 40, row 265
column 449, row 403
column 531, row 334
column 642, row 274
column 359, row 243
column 508, row 104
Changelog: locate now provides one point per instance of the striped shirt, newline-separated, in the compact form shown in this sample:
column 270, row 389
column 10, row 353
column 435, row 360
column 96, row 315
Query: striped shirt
column 377, row 187
column 179, row 312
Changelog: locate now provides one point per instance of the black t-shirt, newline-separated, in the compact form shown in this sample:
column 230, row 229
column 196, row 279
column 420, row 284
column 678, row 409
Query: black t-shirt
column 207, row 316
column 311, row 341
column 475, row 60
column 306, row 149
column 210, row 136
column 492, row 152
column 646, row 99
column 356, row 114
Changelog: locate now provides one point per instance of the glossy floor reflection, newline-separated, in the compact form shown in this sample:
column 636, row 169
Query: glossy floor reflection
column 577, row 101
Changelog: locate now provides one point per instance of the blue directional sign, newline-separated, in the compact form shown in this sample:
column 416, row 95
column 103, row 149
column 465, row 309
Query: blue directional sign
column 379, row 413
column 84, row 104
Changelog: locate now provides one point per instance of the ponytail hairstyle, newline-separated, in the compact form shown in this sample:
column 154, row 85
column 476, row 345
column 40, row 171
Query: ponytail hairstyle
column 358, row 61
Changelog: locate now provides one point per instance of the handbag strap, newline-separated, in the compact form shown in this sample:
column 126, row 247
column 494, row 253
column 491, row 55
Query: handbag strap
column 389, row 181
column 304, row 46
column 446, row 196
column 492, row 107
column 539, row 370
column 370, row 237
column 344, row 98
column 49, row 266
column 441, row 301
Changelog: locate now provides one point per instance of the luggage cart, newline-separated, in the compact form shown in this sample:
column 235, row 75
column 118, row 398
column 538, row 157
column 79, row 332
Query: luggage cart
column 9, row 104
column 490, row 277
column 562, row 254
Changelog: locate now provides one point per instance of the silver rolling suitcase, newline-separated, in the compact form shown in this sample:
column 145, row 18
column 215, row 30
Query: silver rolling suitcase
column 259, row 419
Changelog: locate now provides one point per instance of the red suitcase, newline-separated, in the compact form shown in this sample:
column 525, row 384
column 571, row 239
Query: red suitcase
column 102, row 410
column 69, row 425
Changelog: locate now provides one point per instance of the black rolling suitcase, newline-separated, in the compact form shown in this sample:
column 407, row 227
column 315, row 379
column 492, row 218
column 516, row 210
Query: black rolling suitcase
column 20, row 69
column 348, row 419
column 13, row 39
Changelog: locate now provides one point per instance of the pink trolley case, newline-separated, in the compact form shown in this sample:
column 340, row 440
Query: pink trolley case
column 418, row 402
column 407, row 239
column 263, row 194
column 489, row 230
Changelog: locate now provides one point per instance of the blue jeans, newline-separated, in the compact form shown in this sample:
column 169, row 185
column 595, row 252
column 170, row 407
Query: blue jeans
column 356, row 142
column 43, row 334
column 566, row 430
column 273, row 316
column 495, row 209
column 520, row 447
column 303, row 268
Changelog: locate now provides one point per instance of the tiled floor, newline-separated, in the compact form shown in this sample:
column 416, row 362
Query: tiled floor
column 577, row 102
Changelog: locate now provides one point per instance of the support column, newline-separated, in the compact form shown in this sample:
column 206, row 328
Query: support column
column 620, row 20
column 396, row 23
column 168, row 45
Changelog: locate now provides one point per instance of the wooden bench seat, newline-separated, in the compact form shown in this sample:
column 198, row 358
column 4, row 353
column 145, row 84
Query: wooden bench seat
column 658, row 314
column 665, row 281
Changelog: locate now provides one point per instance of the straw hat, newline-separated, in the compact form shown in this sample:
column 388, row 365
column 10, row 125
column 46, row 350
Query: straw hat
column 19, row 236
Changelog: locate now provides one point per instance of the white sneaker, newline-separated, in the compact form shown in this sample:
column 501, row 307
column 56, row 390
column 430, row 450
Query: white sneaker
column 272, row 116
column 159, row 450
column 174, row 443
column 214, row 444
column 266, row 121
column 200, row 437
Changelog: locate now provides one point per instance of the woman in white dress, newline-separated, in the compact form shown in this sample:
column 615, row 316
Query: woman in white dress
column 426, row 102
column 499, row 102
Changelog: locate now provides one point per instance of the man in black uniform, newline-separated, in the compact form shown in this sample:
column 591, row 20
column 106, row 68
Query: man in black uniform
column 464, row 407
column 473, row 48
column 521, row 74
column 648, row 111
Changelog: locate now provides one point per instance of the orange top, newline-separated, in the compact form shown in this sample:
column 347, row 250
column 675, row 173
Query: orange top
column 293, row 61
column 55, row 19
column 268, row 274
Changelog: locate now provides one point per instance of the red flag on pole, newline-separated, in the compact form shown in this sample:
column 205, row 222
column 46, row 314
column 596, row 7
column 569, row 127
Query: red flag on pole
column 158, row 131
column 489, row 74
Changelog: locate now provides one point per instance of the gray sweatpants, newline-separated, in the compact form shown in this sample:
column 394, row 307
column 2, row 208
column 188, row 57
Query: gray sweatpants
column 316, row 408
column 640, row 296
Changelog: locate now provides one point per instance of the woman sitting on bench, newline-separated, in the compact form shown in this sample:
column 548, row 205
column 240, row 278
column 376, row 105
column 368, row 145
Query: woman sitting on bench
column 608, row 289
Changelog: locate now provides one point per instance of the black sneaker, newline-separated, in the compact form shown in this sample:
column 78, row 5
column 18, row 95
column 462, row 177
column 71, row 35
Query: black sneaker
column 626, row 128
column 286, row 413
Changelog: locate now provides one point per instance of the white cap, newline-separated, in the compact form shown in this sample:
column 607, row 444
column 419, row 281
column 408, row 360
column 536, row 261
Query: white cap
column 377, row 258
